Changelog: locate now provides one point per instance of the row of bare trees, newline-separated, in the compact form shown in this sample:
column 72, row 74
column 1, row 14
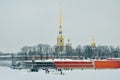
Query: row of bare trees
column 99, row 52
column 81, row 52
column 37, row 50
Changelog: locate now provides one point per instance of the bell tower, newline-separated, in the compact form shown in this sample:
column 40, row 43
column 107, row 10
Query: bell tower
column 60, row 36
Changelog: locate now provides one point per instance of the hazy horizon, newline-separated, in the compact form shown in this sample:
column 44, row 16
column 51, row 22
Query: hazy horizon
column 31, row 22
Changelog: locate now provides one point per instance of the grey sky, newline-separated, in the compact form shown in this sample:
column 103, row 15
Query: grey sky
column 30, row 22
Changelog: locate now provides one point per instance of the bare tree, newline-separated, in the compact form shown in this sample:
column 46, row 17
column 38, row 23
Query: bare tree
column 79, row 51
column 25, row 50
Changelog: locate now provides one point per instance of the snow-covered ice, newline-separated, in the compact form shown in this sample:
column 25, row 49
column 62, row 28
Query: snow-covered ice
column 7, row 73
column 5, row 63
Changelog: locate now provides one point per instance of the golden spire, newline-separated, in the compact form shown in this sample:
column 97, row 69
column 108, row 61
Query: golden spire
column 60, row 26
column 60, row 36
column 60, row 13
column 93, row 44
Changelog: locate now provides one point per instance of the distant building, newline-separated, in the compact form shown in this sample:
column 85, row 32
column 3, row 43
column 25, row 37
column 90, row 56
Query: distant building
column 68, row 44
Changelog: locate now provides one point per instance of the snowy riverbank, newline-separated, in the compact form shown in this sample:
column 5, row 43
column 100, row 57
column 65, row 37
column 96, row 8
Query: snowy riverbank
column 7, row 73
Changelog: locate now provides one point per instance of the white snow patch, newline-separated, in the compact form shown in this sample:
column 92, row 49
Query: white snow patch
column 5, row 63
column 78, row 74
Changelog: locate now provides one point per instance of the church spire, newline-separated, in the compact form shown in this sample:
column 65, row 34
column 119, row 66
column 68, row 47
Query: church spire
column 93, row 44
column 60, row 37
column 60, row 24
column 60, row 13
column 68, row 43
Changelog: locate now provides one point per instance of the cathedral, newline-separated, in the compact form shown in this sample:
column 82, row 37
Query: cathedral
column 60, row 36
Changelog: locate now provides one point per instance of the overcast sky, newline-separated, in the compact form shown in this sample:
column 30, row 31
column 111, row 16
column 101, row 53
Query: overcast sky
column 30, row 22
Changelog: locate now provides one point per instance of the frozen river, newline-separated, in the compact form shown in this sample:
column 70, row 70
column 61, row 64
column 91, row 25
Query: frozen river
column 89, row 74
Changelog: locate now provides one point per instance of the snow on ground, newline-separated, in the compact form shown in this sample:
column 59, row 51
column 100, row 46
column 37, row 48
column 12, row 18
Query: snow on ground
column 5, row 63
column 7, row 73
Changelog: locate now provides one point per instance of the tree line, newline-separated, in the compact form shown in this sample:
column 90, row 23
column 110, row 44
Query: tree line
column 81, row 52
